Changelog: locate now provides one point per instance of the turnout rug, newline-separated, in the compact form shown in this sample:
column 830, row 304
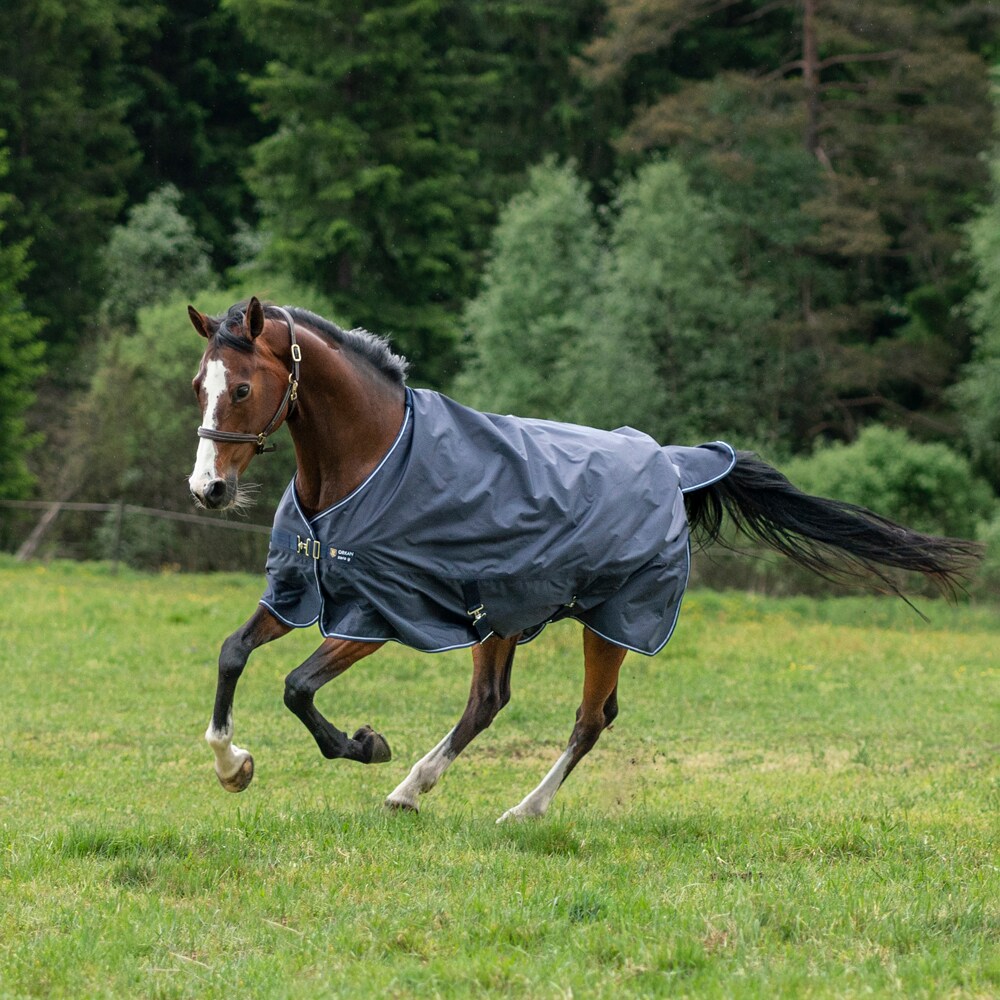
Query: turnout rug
column 475, row 524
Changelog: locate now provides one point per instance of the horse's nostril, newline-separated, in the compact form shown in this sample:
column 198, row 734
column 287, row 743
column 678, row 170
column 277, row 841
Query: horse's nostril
column 215, row 492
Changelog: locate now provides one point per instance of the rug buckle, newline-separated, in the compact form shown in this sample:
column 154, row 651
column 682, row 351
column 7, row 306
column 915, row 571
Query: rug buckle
column 309, row 547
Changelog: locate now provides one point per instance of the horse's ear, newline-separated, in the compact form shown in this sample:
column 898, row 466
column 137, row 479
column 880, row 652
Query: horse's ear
column 201, row 323
column 254, row 318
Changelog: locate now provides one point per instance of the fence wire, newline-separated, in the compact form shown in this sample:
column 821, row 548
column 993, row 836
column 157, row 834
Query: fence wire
column 126, row 533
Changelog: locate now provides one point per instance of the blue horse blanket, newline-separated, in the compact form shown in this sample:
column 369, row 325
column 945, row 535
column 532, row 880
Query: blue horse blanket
column 476, row 523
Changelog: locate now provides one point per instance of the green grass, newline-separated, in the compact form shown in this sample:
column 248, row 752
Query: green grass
column 799, row 799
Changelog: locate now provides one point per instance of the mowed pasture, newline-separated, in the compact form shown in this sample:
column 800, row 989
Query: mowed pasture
column 799, row 799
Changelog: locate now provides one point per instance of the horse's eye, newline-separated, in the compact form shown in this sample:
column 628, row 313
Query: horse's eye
column 242, row 391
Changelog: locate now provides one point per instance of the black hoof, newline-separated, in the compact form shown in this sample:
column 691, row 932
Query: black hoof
column 374, row 749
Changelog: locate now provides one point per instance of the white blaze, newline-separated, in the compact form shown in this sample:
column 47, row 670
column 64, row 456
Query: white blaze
column 204, row 464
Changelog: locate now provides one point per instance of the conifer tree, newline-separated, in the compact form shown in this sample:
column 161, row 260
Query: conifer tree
column 191, row 114
column 20, row 356
column 62, row 105
column 365, row 184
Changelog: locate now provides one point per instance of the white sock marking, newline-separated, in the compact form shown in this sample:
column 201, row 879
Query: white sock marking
column 423, row 776
column 537, row 801
column 229, row 758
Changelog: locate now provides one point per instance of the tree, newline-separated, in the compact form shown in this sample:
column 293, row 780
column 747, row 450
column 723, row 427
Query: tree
column 847, row 163
column 538, row 295
column 977, row 393
column 648, row 325
column 530, row 103
column 681, row 347
column 925, row 486
column 190, row 110
column 365, row 184
column 154, row 256
column 63, row 104
column 20, row 356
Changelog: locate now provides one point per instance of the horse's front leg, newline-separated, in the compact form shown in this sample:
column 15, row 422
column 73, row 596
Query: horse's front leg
column 492, row 662
column 233, row 765
column 329, row 661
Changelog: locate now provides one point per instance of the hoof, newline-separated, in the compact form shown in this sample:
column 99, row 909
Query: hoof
column 374, row 749
column 401, row 806
column 516, row 815
column 238, row 782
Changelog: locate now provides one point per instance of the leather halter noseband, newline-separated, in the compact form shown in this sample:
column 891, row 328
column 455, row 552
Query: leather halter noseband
column 291, row 394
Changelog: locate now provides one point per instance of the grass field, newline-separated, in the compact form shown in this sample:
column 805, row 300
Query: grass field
column 799, row 799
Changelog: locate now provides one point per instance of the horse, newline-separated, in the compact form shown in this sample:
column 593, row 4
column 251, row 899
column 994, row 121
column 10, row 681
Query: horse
column 413, row 519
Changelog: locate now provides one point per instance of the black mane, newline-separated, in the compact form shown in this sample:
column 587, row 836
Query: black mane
column 370, row 347
column 374, row 349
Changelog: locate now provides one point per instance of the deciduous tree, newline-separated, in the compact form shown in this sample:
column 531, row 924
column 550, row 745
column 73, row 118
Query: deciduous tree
column 679, row 346
column 647, row 324
column 155, row 255
column 977, row 394
column 539, row 294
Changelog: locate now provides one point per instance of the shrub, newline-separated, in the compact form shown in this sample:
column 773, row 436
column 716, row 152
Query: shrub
column 987, row 582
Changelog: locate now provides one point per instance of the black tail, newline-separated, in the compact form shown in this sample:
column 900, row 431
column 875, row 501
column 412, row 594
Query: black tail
column 840, row 541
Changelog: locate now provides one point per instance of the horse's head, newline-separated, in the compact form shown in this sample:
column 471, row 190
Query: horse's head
column 244, row 389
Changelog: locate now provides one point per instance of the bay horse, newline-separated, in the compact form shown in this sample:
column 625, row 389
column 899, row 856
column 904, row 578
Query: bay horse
column 413, row 519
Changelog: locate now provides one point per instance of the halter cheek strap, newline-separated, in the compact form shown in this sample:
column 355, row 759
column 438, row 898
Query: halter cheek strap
column 284, row 407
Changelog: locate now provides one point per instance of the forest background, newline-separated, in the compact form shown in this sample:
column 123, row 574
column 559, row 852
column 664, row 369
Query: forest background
column 775, row 221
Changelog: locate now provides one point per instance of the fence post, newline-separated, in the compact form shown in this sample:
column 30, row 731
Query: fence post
column 117, row 542
column 31, row 543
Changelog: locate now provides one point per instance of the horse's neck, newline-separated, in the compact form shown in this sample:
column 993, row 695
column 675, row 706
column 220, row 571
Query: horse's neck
column 346, row 419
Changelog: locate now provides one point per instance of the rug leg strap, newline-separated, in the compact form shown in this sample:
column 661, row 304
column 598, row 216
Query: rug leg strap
column 476, row 610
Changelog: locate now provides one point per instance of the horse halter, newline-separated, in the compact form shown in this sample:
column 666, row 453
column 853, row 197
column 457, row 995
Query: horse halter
column 291, row 395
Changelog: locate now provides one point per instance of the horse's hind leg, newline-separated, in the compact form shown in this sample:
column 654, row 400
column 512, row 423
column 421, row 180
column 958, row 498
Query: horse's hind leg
column 602, row 662
column 329, row 661
column 492, row 662
column 233, row 765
